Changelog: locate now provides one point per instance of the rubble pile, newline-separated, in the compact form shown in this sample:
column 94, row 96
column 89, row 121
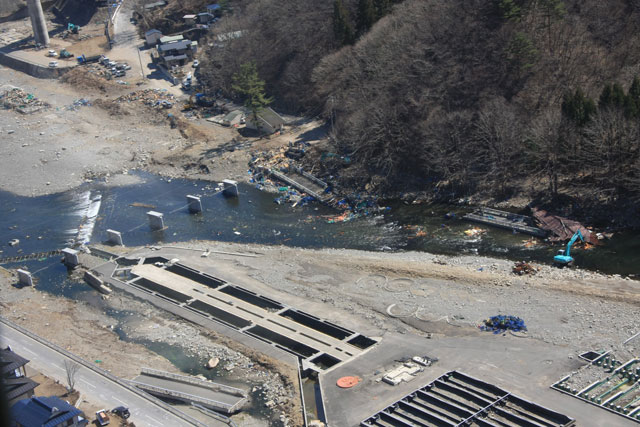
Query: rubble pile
column 523, row 267
column 156, row 98
column 14, row 98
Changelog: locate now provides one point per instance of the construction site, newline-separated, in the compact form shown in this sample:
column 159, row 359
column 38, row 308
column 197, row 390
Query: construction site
column 195, row 272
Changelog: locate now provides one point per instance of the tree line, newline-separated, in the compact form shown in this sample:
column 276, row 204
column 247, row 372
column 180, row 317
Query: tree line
column 497, row 97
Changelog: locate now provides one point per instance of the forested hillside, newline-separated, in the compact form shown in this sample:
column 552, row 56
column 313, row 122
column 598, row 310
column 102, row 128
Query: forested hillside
column 493, row 97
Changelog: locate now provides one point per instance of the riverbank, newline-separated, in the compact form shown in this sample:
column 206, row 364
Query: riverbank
column 378, row 294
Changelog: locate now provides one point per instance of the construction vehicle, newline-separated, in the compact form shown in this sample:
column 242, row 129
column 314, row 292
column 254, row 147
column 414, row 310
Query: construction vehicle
column 564, row 258
column 88, row 59
column 64, row 53
column 73, row 28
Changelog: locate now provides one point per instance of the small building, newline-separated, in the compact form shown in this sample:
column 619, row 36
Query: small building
column 268, row 121
column 172, row 60
column 175, row 49
column 155, row 5
column 205, row 18
column 189, row 19
column 45, row 411
column 151, row 37
column 171, row 39
column 234, row 118
column 212, row 8
column 14, row 376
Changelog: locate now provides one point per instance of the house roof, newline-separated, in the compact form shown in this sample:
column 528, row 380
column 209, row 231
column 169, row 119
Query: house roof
column 175, row 57
column 10, row 361
column 153, row 31
column 169, row 39
column 271, row 117
column 15, row 387
column 155, row 4
column 213, row 7
column 188, row 16
column 42, row 412
column 181, row 45
column 232, row 115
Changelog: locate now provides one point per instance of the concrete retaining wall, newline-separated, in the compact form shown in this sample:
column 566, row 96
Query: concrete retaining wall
column 34, row 70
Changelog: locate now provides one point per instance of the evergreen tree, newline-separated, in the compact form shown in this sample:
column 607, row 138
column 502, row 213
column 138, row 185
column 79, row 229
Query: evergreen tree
column 577, row 107
column 366, row 16
column 508, row 10
column 612, row 96
column 632, row 100
column 248, row 83
column 382, row 8
column 342, row 28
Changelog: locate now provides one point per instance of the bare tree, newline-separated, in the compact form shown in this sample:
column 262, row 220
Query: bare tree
column 71, row 368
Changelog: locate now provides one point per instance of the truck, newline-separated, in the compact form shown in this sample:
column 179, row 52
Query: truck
column 88, row 59
column 102, row 417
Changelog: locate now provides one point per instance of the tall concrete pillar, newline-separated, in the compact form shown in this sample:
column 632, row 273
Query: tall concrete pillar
column 38, row 23
column 195, row 205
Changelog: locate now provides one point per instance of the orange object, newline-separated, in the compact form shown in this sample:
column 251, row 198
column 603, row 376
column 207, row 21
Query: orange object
column 347, row 382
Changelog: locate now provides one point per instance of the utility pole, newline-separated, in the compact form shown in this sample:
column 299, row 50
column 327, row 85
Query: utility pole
column 141, row 67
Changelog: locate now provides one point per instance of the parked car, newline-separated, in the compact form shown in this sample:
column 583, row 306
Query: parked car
column 196, row 63
column 121, row 411
column 102, row 417
column 53, row 64
column 52, row 53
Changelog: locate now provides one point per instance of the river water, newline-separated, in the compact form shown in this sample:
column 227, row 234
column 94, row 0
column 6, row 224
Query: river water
column 51, row 222
column 83, row 215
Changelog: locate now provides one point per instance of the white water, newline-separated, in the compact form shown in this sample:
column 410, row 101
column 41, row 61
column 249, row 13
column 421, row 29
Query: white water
column 87, row 208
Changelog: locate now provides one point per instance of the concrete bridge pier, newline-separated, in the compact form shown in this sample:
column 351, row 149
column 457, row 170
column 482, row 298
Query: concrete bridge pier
column 195, row 205
column 230, row 188
column 24, row 278
column 70, row 257
column 40, row 33
column 156, row 221
column 114, row 237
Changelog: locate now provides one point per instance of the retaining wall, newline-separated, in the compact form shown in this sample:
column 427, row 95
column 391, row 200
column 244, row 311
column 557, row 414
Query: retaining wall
column 33, row 69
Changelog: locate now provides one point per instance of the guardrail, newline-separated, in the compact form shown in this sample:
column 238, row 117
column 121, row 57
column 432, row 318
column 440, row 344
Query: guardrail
column 201, row 383
column 189, row 397
column 102, row 372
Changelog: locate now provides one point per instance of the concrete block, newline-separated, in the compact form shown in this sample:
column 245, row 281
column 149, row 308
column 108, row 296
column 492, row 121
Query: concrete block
column 156, row 221
column 195, row 205
column 230, row 188
column 96, row 283
column 24, row 278
column 114, row 237
column 70, row 257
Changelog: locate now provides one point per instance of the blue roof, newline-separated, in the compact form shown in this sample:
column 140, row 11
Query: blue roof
column 42, row 412
column 213, row 7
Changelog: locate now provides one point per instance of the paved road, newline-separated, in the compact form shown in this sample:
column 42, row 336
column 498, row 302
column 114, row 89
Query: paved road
column 89, row 383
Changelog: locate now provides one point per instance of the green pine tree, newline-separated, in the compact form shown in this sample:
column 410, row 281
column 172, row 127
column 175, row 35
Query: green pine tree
column 632, row 100
column 366, row 16
column 577, row 107
column 248, row 83
column 508, row 10
column 342, row 28
column 612, row 96
column 382, row 8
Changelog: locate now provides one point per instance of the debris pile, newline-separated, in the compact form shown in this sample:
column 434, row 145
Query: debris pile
column 523, row 267
column 502, row 323
column 14, row 98
column 475, row 231
column 156, row 98
column 79, row 103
